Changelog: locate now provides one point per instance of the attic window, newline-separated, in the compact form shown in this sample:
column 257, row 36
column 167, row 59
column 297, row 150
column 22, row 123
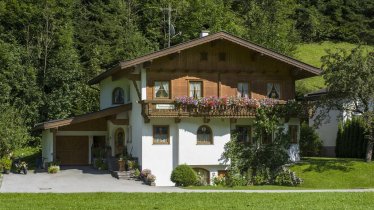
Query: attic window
column 203, row 56
column 222, row 56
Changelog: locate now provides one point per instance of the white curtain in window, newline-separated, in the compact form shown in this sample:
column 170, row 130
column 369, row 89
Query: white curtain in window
column 242, row 90
column 195, row 89
column 269, row 87
column 166, row 87
column 277, row 88
column 157, row 87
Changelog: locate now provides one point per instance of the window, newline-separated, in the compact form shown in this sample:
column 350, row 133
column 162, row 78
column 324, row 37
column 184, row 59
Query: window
column 162, row 89
column 242, row 90
column 117, row 96
column 244, row 134
column 160, row 134
column 204, row 135
column 267, row 138
column 196, row 89
column 203, row 56
column 273, row 90
column 293, row 130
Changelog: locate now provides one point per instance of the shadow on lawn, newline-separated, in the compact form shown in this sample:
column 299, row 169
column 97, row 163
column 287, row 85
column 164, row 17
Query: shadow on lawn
column 323, row 165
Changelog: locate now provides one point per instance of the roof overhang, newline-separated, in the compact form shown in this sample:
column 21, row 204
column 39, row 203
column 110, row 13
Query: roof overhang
column 313, row 71
column 83, row 118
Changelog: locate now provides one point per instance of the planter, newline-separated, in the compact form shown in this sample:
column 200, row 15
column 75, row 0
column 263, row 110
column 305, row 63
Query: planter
column 121, row 165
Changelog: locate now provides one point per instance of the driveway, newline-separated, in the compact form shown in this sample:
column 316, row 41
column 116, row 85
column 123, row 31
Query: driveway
column 82, row 179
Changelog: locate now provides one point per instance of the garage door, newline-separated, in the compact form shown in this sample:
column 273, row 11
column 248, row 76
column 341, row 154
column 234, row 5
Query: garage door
column 72, row 150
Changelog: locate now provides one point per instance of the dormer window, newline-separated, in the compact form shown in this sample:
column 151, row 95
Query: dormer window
column 162, row 89
column 118, row 96
column 242, row 90
column 273, row 90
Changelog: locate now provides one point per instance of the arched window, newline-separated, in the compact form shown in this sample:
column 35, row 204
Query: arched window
column 204, row 135
column 119, row 141
column 118, row 96
column 203, row 176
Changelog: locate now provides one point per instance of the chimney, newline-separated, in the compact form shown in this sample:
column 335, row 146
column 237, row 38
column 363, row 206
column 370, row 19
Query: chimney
column 204, row 33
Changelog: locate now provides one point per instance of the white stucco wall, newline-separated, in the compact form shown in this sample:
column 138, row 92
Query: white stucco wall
column 328, row 130
column 193, row 154
column 159, row 157
column 106, row 89
column 47, row 145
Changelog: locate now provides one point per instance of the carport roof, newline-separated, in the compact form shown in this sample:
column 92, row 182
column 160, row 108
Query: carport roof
column 83, row 118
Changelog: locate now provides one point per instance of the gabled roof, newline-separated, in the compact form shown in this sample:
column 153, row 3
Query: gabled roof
column 189, row 44
column 83, row 118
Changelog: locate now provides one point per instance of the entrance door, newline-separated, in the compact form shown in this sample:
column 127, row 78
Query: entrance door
column 72, row 150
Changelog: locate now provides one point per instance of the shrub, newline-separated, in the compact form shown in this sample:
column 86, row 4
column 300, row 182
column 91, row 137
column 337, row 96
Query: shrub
column 219, row 181
column 286, row 177
column 236, row 179
column 261, row 177
column 310, row 143
column 52, row 169
column 183, row 175
column 137, row 173
column 350, row 140
column 201, row 180
column 5, row 163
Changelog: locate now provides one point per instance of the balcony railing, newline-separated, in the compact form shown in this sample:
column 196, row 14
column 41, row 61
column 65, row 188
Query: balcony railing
column 173, row 108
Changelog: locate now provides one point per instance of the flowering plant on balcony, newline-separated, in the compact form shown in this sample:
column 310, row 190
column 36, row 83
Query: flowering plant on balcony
column 221, row 104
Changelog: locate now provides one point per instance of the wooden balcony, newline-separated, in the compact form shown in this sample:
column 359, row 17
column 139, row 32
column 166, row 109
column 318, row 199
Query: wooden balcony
column 168, row 108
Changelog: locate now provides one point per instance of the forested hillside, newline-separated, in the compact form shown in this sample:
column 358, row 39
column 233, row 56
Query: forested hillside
column 50, row 48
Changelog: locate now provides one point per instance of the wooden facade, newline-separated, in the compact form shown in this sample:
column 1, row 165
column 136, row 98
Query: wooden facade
column 225, row 65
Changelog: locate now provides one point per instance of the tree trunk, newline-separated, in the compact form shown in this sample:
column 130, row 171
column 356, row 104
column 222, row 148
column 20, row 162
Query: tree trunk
column 369, row 149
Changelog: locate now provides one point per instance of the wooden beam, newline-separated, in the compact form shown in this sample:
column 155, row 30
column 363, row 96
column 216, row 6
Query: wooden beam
column 120, row 121
column 137, row 90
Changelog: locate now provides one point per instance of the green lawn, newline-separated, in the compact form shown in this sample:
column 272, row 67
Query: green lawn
column 311, row 54
column 188, row 201
column 322, row 173
column 334, row 173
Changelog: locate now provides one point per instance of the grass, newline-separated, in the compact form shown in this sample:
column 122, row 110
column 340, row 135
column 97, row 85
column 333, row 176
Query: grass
column 335, row 173
column 321, row 173
column 311, row 54
column 188, row 201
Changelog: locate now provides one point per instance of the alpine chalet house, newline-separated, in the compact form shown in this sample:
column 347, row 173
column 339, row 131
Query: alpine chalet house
column 149, row 106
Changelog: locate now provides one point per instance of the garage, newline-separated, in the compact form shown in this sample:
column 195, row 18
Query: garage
column 72, row 150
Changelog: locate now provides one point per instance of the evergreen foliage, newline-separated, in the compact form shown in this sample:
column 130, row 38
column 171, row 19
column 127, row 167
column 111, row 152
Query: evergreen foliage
column 310, row 143
column 350, row 141
column 183, row 175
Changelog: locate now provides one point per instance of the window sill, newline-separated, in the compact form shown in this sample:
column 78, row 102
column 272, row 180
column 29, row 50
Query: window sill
column 160, row 143
column 203, row 143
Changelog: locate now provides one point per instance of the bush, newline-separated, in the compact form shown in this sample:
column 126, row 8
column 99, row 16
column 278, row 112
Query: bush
column 137, row 173
column 53, row 169
column 183, row 175
column 350, row 140
column 310, row 143
column 219, row 181
column 286, row 177
column 5, row 163
column 236, row 179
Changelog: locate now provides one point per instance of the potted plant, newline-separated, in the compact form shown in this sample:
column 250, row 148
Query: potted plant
column 6, row 164
column 151, row 179
column 121, row 164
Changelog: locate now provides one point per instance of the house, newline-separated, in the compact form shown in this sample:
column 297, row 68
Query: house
column 327, row 130
column 138, row 110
